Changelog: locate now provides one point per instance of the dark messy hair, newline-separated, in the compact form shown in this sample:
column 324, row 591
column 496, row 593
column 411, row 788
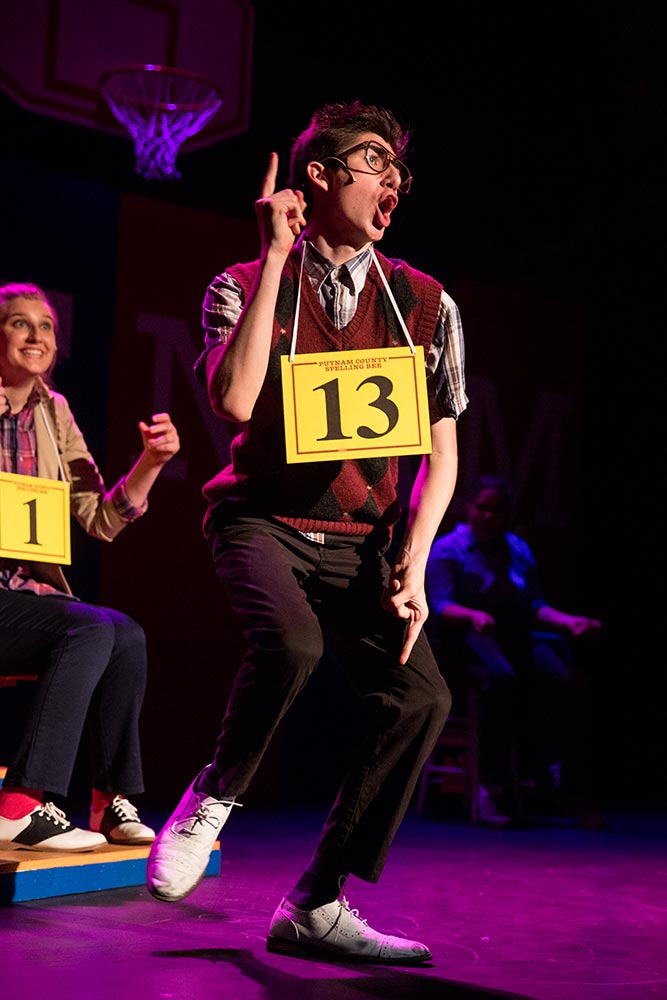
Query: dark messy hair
column 491, row 481
column 334, row 128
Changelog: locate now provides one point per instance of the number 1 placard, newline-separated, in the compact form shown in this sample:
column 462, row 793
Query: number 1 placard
column 34, row 519
column 355, row 404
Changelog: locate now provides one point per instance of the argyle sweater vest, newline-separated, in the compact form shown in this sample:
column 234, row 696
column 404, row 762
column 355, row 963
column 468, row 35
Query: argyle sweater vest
column 352, row 496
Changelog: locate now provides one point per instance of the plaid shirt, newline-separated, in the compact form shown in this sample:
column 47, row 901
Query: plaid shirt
column 18, row 454
column 18, row 442
column 338, row 290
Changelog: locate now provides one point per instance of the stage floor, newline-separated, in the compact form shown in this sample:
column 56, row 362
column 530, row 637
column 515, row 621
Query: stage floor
column 548, row 912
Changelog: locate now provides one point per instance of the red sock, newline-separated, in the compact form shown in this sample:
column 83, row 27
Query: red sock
column 15, row 803
column 100, row 800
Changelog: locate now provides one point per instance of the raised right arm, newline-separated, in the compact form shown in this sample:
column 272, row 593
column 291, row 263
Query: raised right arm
column 235, row 371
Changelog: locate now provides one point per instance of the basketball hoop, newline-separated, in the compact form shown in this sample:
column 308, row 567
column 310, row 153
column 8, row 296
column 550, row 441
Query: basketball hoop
column 161, row 107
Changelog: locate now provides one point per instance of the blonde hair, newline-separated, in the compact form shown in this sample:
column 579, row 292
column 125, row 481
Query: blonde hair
column 26, row 290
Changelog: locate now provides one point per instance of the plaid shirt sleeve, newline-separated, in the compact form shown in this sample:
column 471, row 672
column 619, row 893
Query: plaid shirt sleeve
column 220, row 312
column 123, row 504
column 445, row 365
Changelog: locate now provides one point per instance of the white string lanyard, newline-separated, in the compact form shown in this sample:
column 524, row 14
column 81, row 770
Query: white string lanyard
column 53, row 440
column 394, row 303
column 387, row 289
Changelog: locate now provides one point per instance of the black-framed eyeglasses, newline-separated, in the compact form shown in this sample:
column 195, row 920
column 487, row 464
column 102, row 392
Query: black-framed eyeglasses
column 378, row 159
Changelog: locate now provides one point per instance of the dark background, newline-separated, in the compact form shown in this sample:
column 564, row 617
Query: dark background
column 538, row 157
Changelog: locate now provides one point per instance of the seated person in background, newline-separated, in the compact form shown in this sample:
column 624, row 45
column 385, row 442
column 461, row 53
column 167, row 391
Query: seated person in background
column 90, row 661
column 488, row 617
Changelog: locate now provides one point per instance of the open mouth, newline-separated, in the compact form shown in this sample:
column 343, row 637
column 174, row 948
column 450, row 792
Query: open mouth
column 384, row 210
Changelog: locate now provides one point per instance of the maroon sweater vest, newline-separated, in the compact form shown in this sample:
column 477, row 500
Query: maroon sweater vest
column 351, row 496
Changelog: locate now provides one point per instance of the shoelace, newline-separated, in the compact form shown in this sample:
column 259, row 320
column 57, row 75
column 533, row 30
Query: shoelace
column 353, row 912
column 54, row 815
column 124, row 810
column 202, row 814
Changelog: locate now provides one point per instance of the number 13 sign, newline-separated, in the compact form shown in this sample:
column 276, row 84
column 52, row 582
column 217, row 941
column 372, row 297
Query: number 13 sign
column 355, row 404
column 34, row 519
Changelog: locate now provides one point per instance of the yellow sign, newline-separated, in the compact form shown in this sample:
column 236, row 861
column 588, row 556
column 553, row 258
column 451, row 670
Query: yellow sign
column 34, row 519
column 355, row 404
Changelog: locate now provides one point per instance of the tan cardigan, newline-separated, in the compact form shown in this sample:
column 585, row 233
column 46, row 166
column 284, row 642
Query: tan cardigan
column 90, row 503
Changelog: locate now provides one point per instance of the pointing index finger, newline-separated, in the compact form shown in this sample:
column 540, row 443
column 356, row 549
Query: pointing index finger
column 269, row 182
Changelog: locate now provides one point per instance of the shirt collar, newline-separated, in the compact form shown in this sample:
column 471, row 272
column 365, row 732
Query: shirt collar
column 318, row 267
column 38, row 394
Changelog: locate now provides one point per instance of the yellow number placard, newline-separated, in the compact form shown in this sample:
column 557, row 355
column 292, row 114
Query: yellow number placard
column 34, row 519
column 355, row 404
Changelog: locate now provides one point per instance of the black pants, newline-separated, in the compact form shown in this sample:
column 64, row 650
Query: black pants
column 292, row 596
column 92, row 673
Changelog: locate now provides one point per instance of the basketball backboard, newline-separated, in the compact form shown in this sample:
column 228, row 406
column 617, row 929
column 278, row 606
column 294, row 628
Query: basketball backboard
column 54, row 52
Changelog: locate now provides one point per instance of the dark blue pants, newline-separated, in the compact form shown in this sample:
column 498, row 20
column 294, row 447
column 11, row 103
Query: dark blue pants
column 531, row 699
column 91, row 663
column 293, row 597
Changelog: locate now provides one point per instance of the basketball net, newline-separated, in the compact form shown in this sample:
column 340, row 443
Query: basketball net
column 160, row 107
